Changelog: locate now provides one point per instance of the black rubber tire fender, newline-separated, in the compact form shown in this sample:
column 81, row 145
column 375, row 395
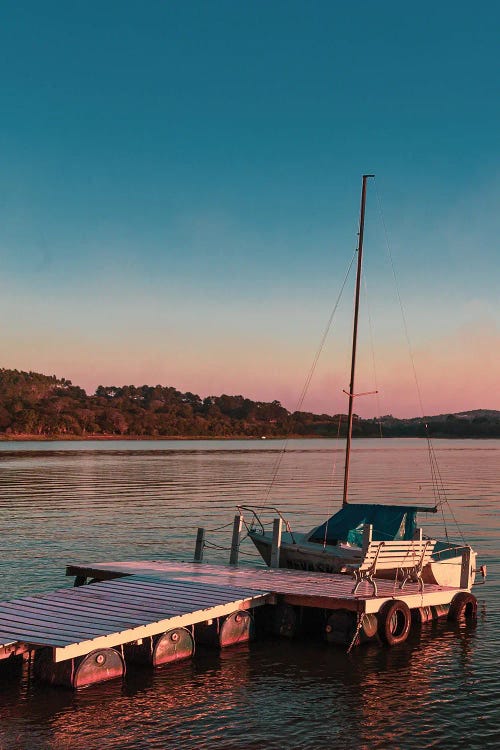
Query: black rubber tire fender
column 394, row 622
column 463, row 607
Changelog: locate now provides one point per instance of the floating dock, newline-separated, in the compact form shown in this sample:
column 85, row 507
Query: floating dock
column 155, row 613
column 75, row 621
column 294, row 587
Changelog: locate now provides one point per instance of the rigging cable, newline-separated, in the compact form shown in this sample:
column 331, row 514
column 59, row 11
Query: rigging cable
column 334, row 469
column 370, row 326
column 438, row 484
column 310, row 376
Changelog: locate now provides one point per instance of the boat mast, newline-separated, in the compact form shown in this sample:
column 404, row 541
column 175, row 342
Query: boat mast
column 354, row 337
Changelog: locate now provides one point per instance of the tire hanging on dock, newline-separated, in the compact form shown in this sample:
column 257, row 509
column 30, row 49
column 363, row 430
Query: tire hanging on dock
column 463, row 607
column 394, row 621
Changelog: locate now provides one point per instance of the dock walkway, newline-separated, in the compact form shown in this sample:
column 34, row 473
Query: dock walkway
column 295, row 587
column 158, row 610
column 75, row 621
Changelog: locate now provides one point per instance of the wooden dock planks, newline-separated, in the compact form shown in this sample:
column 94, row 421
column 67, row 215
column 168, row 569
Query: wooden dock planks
column 296, row 587
column 75, row 621
column 139, row 599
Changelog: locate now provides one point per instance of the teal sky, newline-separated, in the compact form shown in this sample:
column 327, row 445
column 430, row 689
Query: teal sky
column 180, row 194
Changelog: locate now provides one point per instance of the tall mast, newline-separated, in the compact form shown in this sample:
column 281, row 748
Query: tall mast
column 354, row 338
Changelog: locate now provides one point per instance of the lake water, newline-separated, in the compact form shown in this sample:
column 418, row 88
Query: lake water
column 83, row 501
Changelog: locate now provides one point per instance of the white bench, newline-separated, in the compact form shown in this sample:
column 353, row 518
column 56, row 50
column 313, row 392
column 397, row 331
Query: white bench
column 409, row 557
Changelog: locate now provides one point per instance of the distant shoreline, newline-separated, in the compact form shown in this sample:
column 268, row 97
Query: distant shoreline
column 36, row 407
column 190, row 438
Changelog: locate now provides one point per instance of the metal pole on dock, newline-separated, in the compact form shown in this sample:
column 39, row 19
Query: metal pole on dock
column 200, row 544
column 235, row 541
column 276, row 545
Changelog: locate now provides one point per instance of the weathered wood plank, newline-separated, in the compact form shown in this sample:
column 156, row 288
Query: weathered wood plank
column 276, row 580
column 133, row 597
column 40, row 618
column 127, row 636
column 69, row 617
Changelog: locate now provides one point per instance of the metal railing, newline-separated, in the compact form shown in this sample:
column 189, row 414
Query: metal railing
column 256, row 523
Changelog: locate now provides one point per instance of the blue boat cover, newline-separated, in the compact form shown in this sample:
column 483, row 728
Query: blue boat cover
column 388, row 521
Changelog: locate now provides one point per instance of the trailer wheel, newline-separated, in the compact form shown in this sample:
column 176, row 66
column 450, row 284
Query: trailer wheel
column 394, row 620
column 463, row 607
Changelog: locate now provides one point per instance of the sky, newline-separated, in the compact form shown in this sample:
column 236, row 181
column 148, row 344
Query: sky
column 180, row 190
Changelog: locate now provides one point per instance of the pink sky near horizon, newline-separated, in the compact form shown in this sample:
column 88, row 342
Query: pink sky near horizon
column 116, row 327
column 457, row 372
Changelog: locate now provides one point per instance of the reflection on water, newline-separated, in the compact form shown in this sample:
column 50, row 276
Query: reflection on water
column 435, row 690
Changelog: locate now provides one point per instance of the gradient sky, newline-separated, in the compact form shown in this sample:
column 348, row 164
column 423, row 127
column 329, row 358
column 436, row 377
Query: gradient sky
column 180, row 194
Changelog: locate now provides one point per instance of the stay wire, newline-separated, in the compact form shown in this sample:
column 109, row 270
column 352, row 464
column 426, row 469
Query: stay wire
column 435, row 472
column 374, row 366
column 334, row 470
column 310, row 376
column 400, row 301
column 407, row 336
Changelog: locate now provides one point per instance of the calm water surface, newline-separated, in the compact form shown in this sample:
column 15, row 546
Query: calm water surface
column 77, row 502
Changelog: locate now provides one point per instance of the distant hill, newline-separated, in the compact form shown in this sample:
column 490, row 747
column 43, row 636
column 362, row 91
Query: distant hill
column 35, row 405
column 470, row 415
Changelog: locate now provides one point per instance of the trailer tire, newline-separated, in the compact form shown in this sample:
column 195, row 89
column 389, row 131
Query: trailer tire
column 394, row 621
column 463, row 607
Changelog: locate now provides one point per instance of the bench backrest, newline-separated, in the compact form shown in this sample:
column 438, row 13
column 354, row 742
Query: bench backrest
column 399, row 554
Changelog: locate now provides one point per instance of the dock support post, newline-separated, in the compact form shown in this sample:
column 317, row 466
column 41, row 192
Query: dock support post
column 465, row 570
column 276, row 544
column 367, row 536
column 200, row 544
column 235, row 541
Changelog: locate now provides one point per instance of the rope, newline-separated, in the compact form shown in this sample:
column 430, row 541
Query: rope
column 218, row 528
column 216, row 546
column 310, row 376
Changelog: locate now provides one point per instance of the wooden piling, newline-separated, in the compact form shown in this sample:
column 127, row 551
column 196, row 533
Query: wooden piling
column 465, row 570
column 200, row 545
column 276, row 544
column 367, row 536
column 235, row 542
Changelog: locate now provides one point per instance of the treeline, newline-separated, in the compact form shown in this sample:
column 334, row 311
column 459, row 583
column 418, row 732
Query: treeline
column 38, row 405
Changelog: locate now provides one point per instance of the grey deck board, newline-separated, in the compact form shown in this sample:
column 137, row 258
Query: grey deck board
column 140, row 598
column 278, row 580
column 85, row 613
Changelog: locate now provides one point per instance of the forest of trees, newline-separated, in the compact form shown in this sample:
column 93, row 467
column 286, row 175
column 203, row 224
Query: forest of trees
column 40, row 406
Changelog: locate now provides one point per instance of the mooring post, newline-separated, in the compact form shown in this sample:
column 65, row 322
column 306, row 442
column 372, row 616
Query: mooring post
column 465, row 570
column 235, row 541
column 367, row 536
column 276, row 545
column 200, row 544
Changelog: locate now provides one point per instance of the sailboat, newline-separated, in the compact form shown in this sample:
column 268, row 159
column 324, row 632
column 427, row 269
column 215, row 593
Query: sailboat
column 337, row 544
